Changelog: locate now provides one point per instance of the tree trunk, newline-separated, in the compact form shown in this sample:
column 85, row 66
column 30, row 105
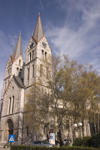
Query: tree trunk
column 60, row 137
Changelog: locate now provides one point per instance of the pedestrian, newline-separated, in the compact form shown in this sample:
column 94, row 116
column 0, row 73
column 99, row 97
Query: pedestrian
column 70, row 143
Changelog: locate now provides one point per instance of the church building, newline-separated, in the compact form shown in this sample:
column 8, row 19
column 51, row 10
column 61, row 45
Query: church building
column 18, row 79
column 19, row 76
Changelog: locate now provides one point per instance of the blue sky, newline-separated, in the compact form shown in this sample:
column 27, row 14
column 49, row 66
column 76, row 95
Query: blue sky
column 71, row 27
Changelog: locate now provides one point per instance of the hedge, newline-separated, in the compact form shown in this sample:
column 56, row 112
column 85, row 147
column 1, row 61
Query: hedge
column 20, row 147
column 85, row 142
column 93, row 141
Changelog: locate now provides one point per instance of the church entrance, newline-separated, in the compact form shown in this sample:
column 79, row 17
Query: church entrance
column 8, row 129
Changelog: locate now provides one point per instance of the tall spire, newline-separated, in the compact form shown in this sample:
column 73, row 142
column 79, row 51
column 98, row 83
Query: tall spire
column 38, row 33
column 18, row 48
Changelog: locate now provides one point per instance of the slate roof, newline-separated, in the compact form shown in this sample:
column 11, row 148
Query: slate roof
column 38, row 32
column 18, row 48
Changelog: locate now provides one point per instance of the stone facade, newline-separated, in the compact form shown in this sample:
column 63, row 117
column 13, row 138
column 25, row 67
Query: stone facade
column 19, row 77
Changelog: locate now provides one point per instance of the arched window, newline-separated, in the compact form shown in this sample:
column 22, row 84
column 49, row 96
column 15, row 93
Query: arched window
column 42, row 54
column 33, row 70
column 19, row 62
column 30, row 56
column 45, row 129
column 45, row 55
column 9, row 105
column 13, row 104
column 28, row 74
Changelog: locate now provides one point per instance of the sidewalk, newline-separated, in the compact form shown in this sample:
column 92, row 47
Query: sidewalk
column 1, row 148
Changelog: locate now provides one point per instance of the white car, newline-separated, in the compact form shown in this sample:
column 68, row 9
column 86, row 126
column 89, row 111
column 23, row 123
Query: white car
column 41, row 143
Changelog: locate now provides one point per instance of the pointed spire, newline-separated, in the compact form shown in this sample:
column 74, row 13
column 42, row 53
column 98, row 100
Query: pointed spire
column 18, row 48
column 38, row 33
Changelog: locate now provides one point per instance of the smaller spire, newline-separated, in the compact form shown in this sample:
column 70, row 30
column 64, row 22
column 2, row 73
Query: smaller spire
column 18, row 48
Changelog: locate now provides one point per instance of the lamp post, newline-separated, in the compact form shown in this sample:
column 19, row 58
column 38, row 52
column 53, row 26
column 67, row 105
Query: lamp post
column 74, row 133
column 76, row 125
column 79, row 126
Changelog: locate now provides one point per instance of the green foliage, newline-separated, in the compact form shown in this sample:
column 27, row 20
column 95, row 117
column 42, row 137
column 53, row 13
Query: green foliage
column 73, row 87
column 86, row 141
column 16, row 147
column 95, row 140
column 77, row 142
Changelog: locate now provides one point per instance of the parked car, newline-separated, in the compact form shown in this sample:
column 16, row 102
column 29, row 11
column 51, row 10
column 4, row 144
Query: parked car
column 42, row 143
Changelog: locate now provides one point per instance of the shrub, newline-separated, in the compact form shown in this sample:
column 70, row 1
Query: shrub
column 77, row 142
column 95, row 140
column 86, row 141
column 14, row 147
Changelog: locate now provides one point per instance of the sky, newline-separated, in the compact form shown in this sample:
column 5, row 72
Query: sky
column 72, row 27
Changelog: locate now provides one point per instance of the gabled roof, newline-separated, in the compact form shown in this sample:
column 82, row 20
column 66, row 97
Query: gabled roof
column 18, row 48
column 38, row 32
column 19, row 81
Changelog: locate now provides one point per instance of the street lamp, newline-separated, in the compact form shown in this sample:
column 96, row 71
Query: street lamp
column 80, row 124
column 77, row 125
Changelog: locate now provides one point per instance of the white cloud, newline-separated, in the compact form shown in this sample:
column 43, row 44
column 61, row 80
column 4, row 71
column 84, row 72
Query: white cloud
column 81, row 43
column 13, row 40
column 4, row 48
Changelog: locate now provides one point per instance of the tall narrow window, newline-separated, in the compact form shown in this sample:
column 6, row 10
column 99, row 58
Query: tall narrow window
column 41, row 70
column 30, row 56
column 20, row 74
column 5, row 85
column 28, row 74
column 45, row 55
column 19, row 62
column 33, row 70
column 9, row 105
column 13, row 104
column 45, row 129
column 42, row 54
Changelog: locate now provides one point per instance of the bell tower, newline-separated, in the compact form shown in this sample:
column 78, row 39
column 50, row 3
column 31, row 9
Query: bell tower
column 14, row 65
column 38, row 57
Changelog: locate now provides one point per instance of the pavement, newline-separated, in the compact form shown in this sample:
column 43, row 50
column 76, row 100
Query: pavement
column 1, row 148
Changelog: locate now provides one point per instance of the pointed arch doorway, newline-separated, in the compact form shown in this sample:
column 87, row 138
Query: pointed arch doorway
column 8, row 129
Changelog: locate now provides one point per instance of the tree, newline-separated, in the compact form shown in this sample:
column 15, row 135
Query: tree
column 36, row 108
column 62, row 85
column 86, row 92
column 73, row 93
